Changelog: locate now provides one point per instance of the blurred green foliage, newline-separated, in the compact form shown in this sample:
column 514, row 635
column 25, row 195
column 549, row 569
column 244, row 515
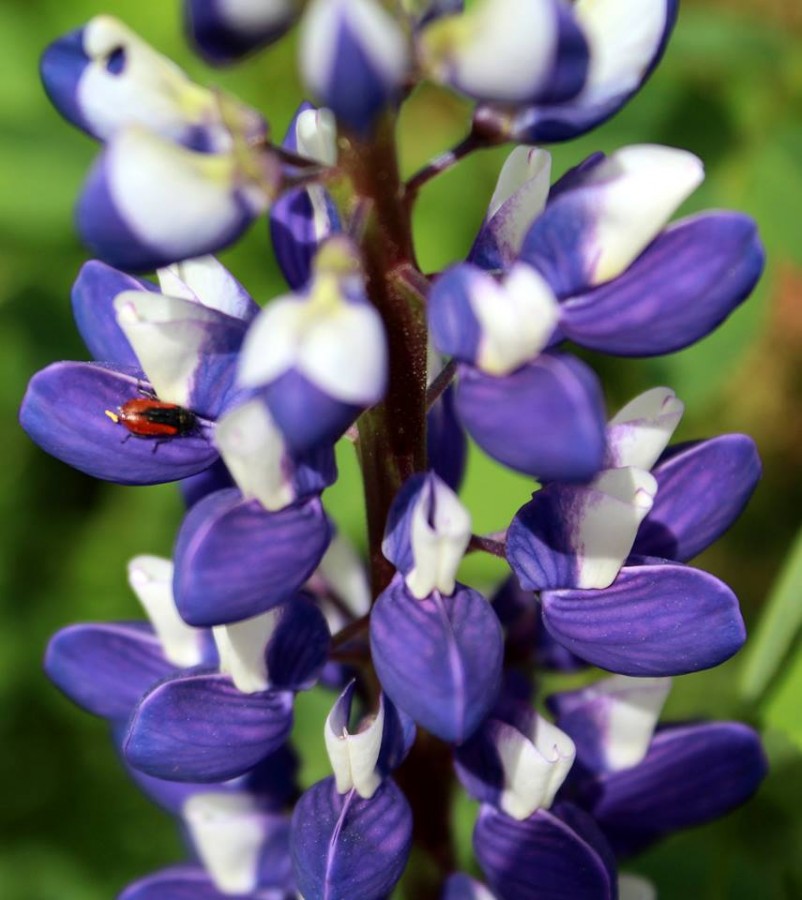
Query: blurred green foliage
column 730, row 89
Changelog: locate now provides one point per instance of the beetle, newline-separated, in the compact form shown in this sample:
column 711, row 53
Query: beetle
column 147, row 417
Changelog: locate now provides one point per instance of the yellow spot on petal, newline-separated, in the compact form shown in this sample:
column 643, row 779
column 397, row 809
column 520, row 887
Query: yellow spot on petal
column 113, row 416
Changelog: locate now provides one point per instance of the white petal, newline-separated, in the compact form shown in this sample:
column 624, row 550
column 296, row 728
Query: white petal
column 242, row 650
column 497, row 50
column 151, row 579
column 633, row 887
column 520, row 196
column 516, row 317
column 206, row 281
column 611, row 512
column 172, row 198
column 440, row 532
column 632, row 708
column 167, row 335
column 641, row 430
column 228, row 831
column 316, row 135
column 344, row 571
column 150, row 90
column 253, row 449
column 354, row 756
column 535, row 766
column 630, row 196
column 623, row 36
column 247, row 16
column 339, row 346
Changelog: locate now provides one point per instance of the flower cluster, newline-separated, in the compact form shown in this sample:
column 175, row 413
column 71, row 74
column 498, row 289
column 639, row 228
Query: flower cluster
column 192, row 381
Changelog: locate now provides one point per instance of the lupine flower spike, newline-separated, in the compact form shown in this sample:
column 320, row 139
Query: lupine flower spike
column 433, row 683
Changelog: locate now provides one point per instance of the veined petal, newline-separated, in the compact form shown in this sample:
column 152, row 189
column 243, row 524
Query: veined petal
column 450, row 684
column 345, row 846
column 682, row 287
column 95, row 316
column 64, row 412
column 148, row 203
column 519, row 198
column 640, row 431
column 546, row 419
column 234, row 560
column 104, row 77
column 592, row 233
column 507, row 51
column 611, row 721
column 354, row 56
column 541, row 857
column 207, row 281
column 187, row 350
column 655, row 619
column 199, row 727
column 223, row 31
column 702, row 489
column 175, row 883
column 106, row 668
column 691, row 774
column 579, row 537
column 151, row 579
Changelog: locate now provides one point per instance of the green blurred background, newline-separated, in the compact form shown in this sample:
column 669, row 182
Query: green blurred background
column 730, row 89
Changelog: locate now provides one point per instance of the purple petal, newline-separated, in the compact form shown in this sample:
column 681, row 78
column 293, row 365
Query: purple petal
column 541, row 540
column 691, row 774
column 702, row 489
column 461, row 887
column 452, row 680
column 446, row 441
column 196, row 487
column 234, row 560
column 61, row 68
column 93, row 309
column 221, row 37
column 200, row 728
column 272, row 783
column 354, row 71
column 177, row 883
column 106, row 668
column 545, row 420
column 64, row 412
column 548, row 124
column 541, row 858
column 520, row 614
column 344, row 846
column 683, row 286
column 397, row 738
column 397, row 544
column 453, row 324
column 300, row 220
column 307, row 416
column 299, row 646
column 655, row 619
